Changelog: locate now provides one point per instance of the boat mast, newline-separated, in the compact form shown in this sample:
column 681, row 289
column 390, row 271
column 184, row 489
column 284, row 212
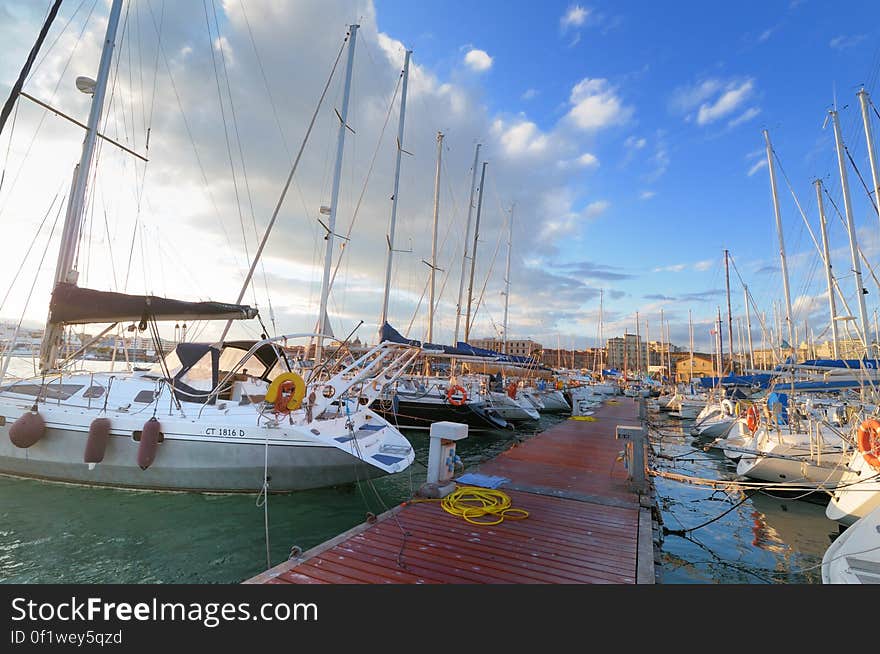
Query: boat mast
column 601, row 340
column 778, row 214
column 729, row 314
column 749, row 328
column 829, row 279
column 691, row 344
column 65, row 272
column 638, row 349
column 851, row 228
column 869, row 137
column 434, row 237
column 467, row 322
column 391, row 228
column 467, row 231
column 334, row 196
column 507, row 275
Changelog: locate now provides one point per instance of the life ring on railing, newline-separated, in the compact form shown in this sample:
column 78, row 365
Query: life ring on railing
column 753, row 418
column 286, row 392
column 868, row 440
column 456, row 395
column 511, row 390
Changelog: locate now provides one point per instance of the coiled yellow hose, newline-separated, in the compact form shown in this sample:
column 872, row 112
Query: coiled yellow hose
column 473, row 502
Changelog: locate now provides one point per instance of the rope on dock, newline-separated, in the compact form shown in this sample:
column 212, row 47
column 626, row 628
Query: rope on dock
column 473, row 502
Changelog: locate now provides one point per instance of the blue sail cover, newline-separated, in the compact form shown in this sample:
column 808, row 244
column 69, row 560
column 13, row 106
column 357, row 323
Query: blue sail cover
column 762, row 380
column 855, row 364
column 388, row 333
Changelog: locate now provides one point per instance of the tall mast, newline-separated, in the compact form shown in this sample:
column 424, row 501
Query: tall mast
column 776, row 211
column 601, row 330
column 467, row 322
column 334, row 194
column 869, row 137
column 391, row 227
column 467, row 231
column 638, row 348
column 507, row 275
column 851, row 228
column 829, row 278
column 65, row 272
column 434, row 237
column 729, row 314
column 719, row 345
column 691, row 344
column 749, row 328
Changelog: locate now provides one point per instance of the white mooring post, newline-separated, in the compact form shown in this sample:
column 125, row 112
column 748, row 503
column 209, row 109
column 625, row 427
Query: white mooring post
column 441, row 458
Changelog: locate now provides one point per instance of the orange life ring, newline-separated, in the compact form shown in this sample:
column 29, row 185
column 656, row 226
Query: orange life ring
column 511, row 390
column 753, row 418
column 868, row 440
column 451, row 393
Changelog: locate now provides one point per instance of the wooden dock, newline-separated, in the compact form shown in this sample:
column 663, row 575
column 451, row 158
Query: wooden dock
column 585, row 525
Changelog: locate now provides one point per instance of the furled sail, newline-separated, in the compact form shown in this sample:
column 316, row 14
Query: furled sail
column 73, row 305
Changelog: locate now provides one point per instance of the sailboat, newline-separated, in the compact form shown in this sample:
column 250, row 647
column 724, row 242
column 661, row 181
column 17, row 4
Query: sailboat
column 221, row 417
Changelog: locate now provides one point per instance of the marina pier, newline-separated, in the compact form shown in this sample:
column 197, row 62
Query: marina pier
column 587, row 522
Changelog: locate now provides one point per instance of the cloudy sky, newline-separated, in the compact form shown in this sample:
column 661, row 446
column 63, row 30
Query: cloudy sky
column 626, row 135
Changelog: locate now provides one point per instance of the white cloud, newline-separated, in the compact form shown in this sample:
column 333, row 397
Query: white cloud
column 678, row 267
column 686, row 98
column 647, row 195
column 761, row 163
column 634, row 143
column 588, row 160
column 842, row 42
column 478, row 60
column 727, row 102
column 575, row 16
column 529, row 94
column 565, row 219
column 766, row 34
column 744, row 117
column 704, row 265
column 520, row 138
column 595, row 104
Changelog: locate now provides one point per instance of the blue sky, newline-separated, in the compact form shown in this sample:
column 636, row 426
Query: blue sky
column 627, row 133
column 789, row 58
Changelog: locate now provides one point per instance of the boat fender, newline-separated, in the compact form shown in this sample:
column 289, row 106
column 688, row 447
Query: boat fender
column 511, row 390
column 96, row 444
column 727, row 405
column 28, row 429
column 149, row 443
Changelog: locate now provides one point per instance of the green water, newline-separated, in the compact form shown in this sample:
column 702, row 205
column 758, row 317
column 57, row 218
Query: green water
column 74, row 534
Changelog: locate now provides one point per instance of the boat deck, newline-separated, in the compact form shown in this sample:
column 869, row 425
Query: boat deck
column 585, row 524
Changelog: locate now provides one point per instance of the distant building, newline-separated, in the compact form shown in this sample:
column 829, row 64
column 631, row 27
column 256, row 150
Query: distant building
column 703, row 366
column 517, row 348
column 627, row 352
column 590, row 358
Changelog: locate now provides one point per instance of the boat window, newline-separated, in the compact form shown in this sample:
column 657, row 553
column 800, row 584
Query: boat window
column 94, row 391
column 230, row 357
column 172, row 362
column 200, row 376
column 145, row 397
column 48, row 391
